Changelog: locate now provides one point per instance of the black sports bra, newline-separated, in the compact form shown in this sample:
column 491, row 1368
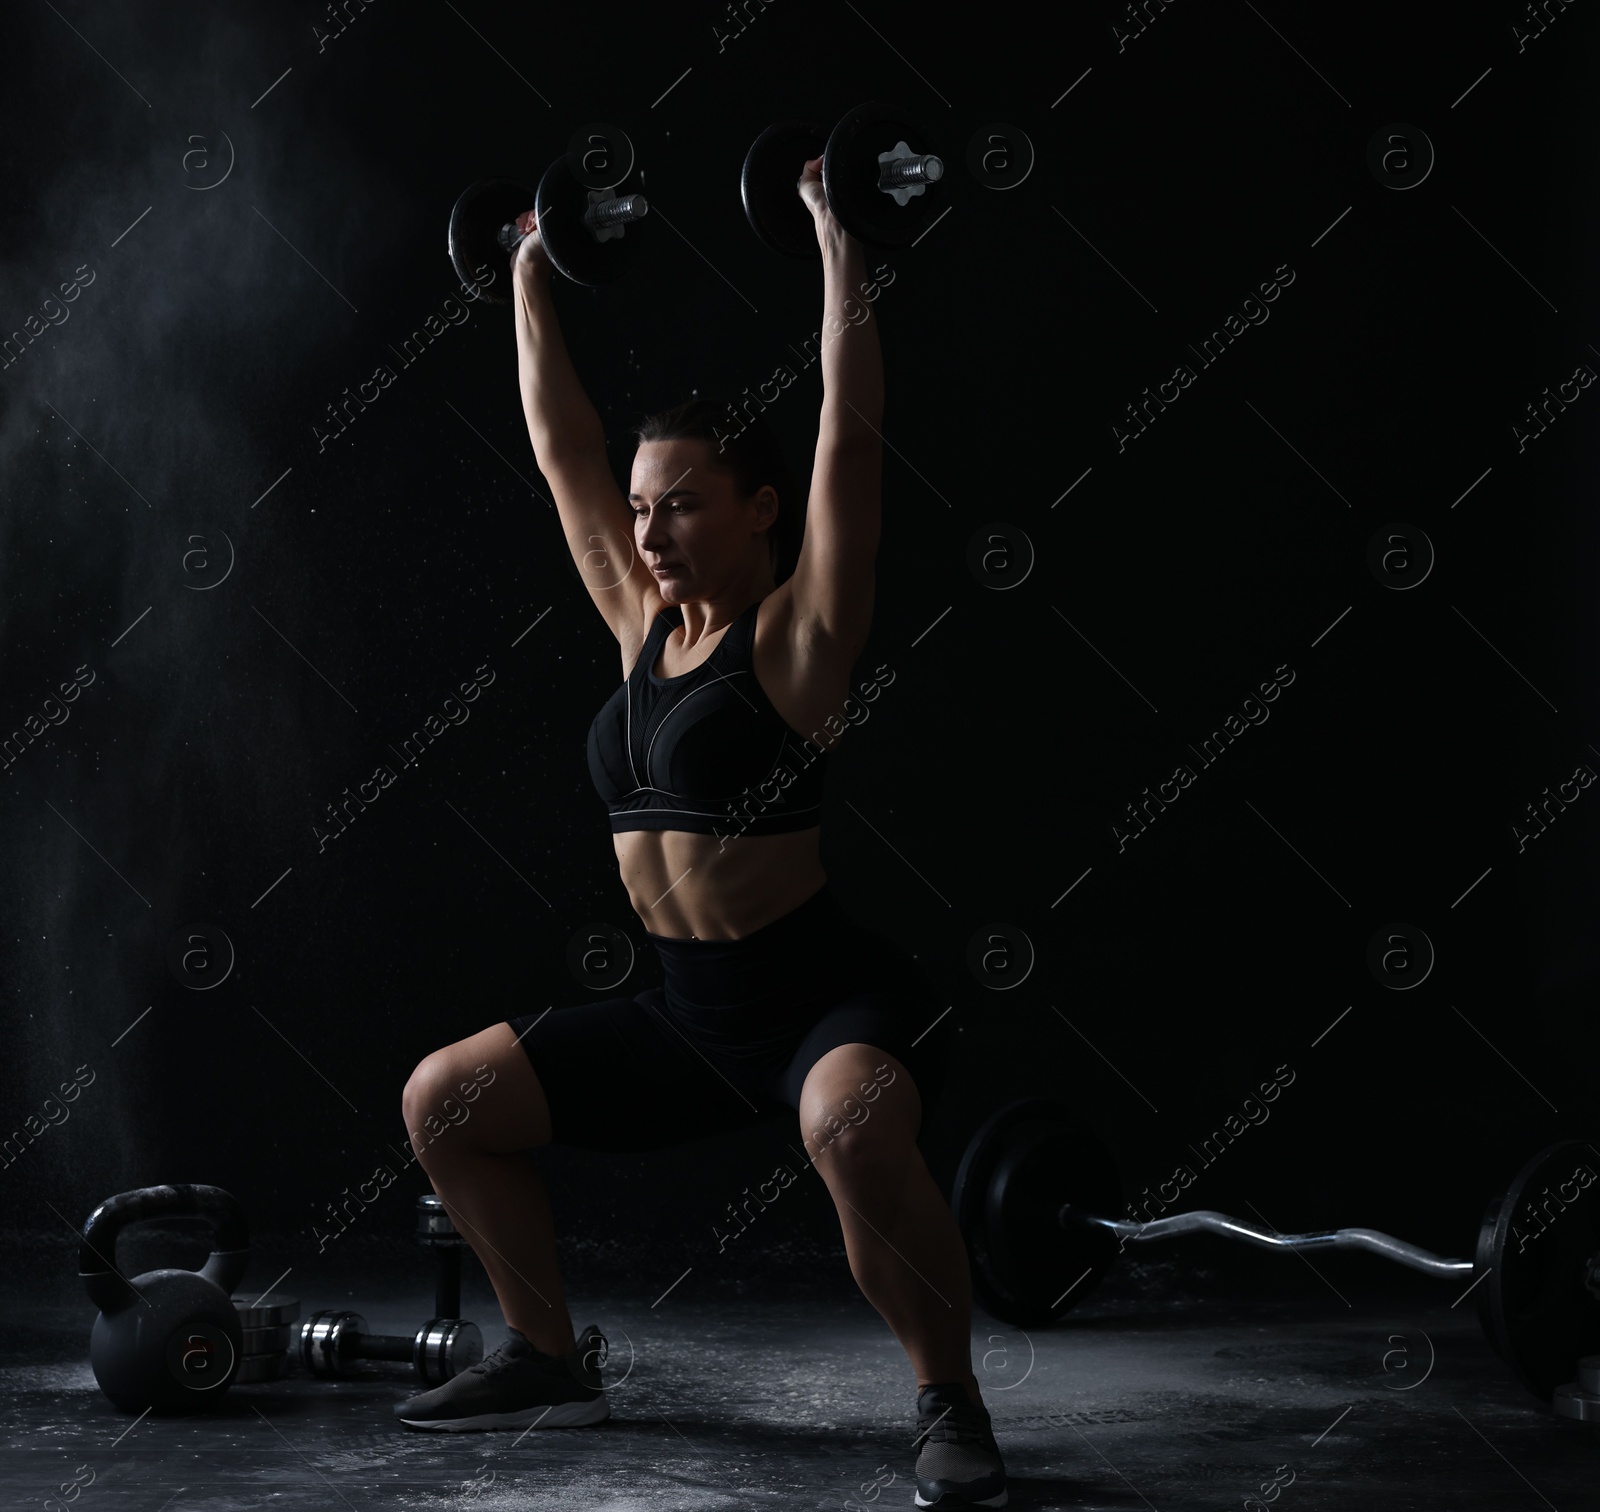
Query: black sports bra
column 706, row 751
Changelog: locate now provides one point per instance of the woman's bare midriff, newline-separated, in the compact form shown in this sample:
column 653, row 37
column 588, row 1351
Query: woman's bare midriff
column 684, row 886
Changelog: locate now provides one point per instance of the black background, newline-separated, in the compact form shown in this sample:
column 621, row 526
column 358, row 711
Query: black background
column 138, row 437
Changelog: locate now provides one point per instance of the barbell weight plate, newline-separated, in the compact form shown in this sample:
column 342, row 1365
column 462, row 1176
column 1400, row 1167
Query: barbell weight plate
column 1572, row 1401
column 475, row 222
column 1534, row 1249
column 1027, row 1161
column 262, row 1367
column 769, row 187
column 274, row 1315
column 850, row 170
column 259, row 1341
column 572, row 248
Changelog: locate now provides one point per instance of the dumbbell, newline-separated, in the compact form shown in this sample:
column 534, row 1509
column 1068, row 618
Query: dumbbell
column 881, row 189
column 1035, row 1185
column 330, row 1341
column 592, row 235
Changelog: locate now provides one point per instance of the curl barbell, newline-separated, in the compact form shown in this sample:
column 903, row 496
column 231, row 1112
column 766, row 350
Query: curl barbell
column 1036, row 1186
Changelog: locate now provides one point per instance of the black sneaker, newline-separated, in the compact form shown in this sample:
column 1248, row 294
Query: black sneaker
column 517, row 1386
column 959, row 1465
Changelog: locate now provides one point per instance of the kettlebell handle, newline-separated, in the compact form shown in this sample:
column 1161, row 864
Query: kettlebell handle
column 109, row 1290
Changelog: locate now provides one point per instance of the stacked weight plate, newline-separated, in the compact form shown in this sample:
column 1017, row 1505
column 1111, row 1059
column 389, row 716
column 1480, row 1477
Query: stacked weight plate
column 267, row 1327
column 1581, row 1398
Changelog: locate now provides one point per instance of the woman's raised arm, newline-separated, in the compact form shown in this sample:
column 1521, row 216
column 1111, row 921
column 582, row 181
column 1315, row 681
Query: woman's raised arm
column 852, row 359
column 833, row 575
column 569, row 445
column 562, row 422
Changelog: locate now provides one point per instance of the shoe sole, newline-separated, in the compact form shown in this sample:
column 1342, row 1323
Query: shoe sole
column 954, row 1502
column 554, row 1415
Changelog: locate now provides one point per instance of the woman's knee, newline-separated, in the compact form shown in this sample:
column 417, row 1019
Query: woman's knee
column 855, row 1088
column 480, row 1092
column 434, row 1096
column 860, row 1145
column 863, row 1159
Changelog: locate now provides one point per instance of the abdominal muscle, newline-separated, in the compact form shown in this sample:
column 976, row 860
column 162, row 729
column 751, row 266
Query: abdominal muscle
column 690, row 886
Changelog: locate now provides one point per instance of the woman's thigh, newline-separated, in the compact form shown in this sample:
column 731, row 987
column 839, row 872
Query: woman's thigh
column 895, row 1009
column 617, row 1074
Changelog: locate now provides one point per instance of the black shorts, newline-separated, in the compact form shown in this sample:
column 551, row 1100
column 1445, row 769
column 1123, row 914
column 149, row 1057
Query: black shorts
column 731, row 1035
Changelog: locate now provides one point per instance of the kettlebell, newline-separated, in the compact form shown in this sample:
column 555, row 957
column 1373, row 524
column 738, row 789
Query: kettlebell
column 169, row 1339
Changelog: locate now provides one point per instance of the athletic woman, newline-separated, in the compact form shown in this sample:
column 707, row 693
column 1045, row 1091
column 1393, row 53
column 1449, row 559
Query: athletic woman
column 773, row 996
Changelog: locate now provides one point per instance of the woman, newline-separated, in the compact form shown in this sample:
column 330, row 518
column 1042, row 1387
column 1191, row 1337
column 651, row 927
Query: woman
column 773, row 996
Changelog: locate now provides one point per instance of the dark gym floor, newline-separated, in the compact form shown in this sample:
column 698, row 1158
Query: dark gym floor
column 1156, row 1393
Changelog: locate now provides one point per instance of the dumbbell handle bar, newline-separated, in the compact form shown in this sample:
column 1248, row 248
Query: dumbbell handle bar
column 376, row 1346
column 603, row 213
column 1203, row 1222
column 896, row 173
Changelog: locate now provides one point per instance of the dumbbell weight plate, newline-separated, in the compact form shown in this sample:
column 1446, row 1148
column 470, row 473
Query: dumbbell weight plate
column 475, row 222
column 1020, row 1168
column 274, row 1315
column 1535, row 1246
column 444, row 1347
column 850, row 170
column 769, row 184
column 600, row 155
column 433, row 1221
column 323, row 1341
column 571, row 246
